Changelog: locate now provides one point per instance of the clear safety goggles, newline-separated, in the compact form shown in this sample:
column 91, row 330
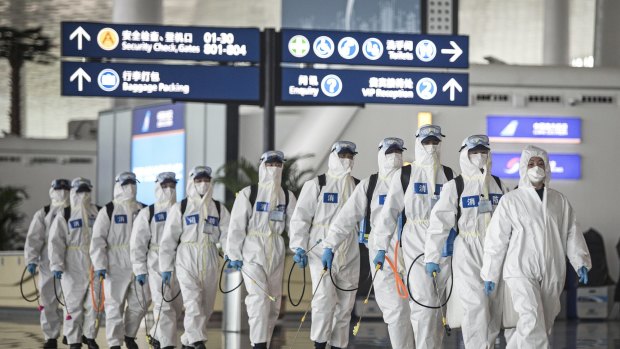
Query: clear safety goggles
column 392, row 143
column 474, row 141
column 166, row 177
column 61, row 184
column 273, row 156
column 200, row 172
column 341, row 147
column 125, row 178
column 81, row 184
column 429, row 131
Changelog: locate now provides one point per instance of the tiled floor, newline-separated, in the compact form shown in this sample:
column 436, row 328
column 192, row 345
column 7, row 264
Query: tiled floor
column 19, row 329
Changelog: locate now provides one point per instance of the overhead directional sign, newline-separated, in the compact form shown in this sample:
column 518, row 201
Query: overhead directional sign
column 328, row 86
column 409, row 50
column 180, row 82
column 87, row 39
column 534, row 129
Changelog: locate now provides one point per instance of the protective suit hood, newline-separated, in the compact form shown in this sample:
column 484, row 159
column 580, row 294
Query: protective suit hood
column 422, row 157
column 338, row 167
column 269, row 175
column 59, row 197
column 470, row 170
column 529, row 152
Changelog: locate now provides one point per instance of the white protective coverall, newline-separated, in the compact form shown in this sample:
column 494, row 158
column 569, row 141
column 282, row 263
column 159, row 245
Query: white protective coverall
column 482, row 315
column 257, row 241
column 189, row 244
column 526, row 243
column 315, row 211
column 36, row 251
column 427, row 178
column 145, row 246
column 69, row 243
column 109, row 250
column 395, row 309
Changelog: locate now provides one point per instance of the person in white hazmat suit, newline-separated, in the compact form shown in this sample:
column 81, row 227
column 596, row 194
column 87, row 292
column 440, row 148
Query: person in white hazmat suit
column 471, row 210
column 69, row 243
column 532, row 231
column 109, row 252
column 423, row 181
column 36, row 255
column 189, row 245
column 259, row 216
column 319, row 201
column 395, row 309
column 146, row 237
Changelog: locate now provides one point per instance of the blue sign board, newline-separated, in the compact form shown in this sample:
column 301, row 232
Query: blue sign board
column 330, row 86
column 408, row 50
column 158, row 145
column 86, row 39
column 180, row 82
column 521, row 129
column 563, row 166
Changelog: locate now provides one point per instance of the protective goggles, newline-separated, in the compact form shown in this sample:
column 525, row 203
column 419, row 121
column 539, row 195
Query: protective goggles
column 392, row 143
column 81, row 184
column 273, row 156
column 430, row 131
column 61, row 184
column 166, row 177
column 125, row 178
column 475, row 141
column 343, row 147
column 200, row 172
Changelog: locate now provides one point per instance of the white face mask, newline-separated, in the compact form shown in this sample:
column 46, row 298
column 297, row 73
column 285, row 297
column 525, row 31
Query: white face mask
column 168, row 194
column 129, row 191
column 59, row 196
column 202, row 188
column 347, row 164
column 431, row 149
column 83, row 198
column 479, row 160
column 536, row 175
column 393, row 160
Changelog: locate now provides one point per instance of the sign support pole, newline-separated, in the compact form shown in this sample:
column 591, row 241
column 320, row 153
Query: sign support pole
column 269, row 88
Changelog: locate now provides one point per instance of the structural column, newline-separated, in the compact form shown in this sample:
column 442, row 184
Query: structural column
column 607, row 27
column 556, row 32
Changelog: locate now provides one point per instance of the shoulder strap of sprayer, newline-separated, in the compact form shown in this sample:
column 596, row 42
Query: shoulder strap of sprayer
column 109, row 208
column 254, row 193
column 151, row 213
column 372, row 183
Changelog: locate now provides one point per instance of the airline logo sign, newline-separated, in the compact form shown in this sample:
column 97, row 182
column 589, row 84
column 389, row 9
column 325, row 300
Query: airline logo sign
column 563, row 166
column 521, row 129
column 334, row 47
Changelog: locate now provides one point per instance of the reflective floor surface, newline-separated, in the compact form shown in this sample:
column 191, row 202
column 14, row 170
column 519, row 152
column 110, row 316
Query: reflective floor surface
column 19, row 329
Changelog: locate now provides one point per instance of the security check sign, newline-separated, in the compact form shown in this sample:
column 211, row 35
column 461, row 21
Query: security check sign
column 110, row 40
column 326, row 86
column 384, row 49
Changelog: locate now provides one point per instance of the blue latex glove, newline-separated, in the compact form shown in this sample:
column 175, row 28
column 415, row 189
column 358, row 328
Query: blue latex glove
column 489, row 287
column 583, row 275
column 32, row 268
column 141, row 279
column 379, row 259
column 300, row 258
column 165, row 277
column 100, row 273
column 237, row 265
column 432, row 268
column 57, row 274
column 328, row 257
column 448, row 248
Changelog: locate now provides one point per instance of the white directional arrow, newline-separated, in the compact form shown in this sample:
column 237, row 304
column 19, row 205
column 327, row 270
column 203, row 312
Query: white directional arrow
column 455, row 51
column 452, row 85
column 80, row 34
column 81, row 75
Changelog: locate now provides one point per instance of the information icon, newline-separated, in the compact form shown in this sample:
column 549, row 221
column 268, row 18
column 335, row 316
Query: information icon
column 331, row 85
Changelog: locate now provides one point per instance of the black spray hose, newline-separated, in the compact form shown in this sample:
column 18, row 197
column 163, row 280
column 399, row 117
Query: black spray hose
column 56, row 294
column 369, row 277
column 21, row 288
column 163, row 295
column 424, row 305
column 288, row 287
column 220, row 283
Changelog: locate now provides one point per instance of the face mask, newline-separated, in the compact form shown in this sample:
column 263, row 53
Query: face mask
column 479, row 160
column 431, row 149
column 168, row 194
column 393, row 161
column 347, row 164
column 83, row 197
column 129, row 191
column 202, row 188
column 59, row 196
column 536, row 174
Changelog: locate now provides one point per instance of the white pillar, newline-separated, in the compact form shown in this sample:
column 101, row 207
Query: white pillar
column 555, row 38
column 607, row 27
